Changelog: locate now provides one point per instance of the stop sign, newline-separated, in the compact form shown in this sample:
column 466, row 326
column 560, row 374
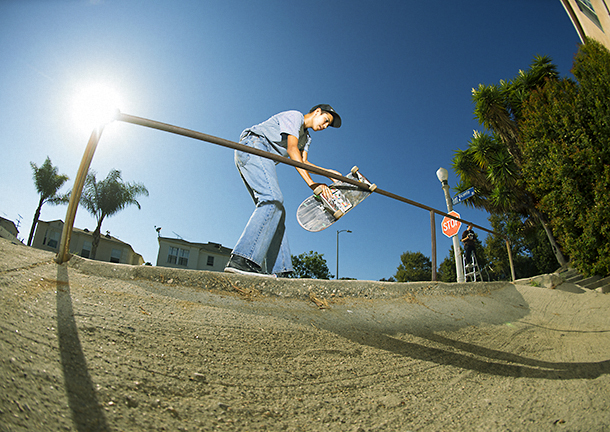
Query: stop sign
column 450, row 226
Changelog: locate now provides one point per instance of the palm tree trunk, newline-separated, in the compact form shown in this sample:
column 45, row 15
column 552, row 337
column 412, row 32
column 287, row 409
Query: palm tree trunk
column 35, row 221
column 95, row 243
column 554, row 246
column 97, row 234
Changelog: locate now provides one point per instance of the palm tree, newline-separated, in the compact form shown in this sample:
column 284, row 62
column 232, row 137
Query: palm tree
column 492, row 163
column 498, row 108
column 488, row 166
column 47, row 182
column 107, row 197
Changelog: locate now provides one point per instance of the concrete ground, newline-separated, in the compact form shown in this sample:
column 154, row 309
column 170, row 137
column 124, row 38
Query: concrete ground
column 89, row 346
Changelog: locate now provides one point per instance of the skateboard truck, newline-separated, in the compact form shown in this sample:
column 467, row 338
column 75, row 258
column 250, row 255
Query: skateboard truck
column 361, row 179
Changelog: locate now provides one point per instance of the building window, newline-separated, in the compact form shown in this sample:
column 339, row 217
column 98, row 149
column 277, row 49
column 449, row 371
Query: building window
column 210, row 260
column 52, row 239
column 178, row 256
column 172, row 256
column 183, row 260
column 586, row 8
column 115, row 256
column 86, row 251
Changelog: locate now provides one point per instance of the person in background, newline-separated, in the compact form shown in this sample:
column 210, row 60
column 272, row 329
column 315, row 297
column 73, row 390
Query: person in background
column 468, row 238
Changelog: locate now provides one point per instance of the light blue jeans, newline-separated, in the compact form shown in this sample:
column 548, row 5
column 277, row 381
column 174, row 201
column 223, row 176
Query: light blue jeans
column 264, row 239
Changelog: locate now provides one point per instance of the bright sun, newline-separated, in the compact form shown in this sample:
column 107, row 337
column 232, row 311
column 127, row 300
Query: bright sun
column 95, row 105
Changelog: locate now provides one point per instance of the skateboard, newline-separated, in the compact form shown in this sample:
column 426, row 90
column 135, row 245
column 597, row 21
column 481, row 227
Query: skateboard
column 317, row 213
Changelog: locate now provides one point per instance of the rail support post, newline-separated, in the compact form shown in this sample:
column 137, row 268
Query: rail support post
column 63, row 254
column 510, row 259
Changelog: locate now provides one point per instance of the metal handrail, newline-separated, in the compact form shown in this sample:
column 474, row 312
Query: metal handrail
column 64, row 254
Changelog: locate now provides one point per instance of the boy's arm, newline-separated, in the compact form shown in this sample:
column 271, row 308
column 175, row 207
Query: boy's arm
column 296, row 155
column 304, row 155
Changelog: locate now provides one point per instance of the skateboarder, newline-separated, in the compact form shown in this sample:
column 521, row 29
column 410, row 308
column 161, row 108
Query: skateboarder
column 263, row 247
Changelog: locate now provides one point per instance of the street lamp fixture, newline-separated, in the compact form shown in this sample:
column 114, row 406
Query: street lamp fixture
column 339, row 231
column 443, row 176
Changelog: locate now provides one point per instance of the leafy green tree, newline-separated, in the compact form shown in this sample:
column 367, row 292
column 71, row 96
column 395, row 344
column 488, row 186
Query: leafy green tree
column 47, row 182
column 530, row 249
column 566, row 148
column 108, row 197
column 311, row 265
column 492, row 163
column 446, row 271
column 414, row 266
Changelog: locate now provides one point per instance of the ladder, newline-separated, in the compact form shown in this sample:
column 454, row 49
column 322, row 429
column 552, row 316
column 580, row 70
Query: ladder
column 472, row 271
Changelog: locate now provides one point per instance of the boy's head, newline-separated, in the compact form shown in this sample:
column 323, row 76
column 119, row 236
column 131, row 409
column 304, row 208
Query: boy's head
column 336, row 123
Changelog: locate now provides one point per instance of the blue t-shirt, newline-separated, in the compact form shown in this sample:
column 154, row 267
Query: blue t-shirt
column 277, row 128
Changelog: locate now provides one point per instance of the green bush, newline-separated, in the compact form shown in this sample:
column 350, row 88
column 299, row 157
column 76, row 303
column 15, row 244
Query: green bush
column 565, row 140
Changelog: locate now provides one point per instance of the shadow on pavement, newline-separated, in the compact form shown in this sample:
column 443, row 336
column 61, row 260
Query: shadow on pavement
column 499, row 362
column 87, row 413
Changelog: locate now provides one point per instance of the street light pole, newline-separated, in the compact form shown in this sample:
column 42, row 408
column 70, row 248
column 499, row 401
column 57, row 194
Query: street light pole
column 337, row 276
column 443, row 177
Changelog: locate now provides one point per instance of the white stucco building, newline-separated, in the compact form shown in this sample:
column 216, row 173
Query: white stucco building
column 178, row 253
column 110, row 249
column 590, row 18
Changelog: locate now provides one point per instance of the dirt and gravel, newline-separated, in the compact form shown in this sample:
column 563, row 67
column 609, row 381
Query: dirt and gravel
column 91, row 346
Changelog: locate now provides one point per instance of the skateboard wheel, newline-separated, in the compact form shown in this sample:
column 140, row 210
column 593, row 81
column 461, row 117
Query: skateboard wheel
column 354, row 170
column 318, row 190
column 338, row 214
column 373, row 187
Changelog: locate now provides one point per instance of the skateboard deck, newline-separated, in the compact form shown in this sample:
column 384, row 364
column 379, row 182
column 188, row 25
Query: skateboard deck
column 316, row 213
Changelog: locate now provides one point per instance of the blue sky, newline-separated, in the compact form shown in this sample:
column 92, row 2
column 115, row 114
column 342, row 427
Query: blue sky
column 399, row 73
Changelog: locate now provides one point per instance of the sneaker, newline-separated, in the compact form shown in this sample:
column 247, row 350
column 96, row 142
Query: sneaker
column 243, row 266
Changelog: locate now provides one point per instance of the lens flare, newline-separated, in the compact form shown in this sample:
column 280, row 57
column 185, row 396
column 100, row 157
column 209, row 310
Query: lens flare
column 95, row 105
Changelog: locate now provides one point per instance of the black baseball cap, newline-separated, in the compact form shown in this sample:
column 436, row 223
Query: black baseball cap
column 336, row 117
